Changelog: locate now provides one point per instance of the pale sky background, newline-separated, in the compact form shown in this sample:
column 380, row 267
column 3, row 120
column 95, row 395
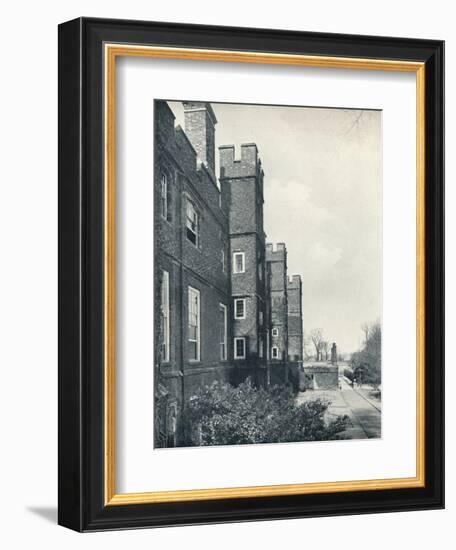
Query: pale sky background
column 322, row 192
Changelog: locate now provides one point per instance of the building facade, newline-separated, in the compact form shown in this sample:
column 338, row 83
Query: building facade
column 221, row 293
column 294, row 318
column 278, row 296
column 241, row 183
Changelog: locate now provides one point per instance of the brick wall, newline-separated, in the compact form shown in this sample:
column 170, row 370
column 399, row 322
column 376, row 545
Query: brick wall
column 197, row 265
column 241, row 183
column 229, row 219
column 321, row 377
column 200, row 124
column 277, row 267
column 295, row 328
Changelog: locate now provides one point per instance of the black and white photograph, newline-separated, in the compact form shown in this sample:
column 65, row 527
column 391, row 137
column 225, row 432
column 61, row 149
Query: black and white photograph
column 268, row 273
column 224, row 262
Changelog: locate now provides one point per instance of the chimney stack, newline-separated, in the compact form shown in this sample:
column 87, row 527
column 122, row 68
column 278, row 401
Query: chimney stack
column 200, row 124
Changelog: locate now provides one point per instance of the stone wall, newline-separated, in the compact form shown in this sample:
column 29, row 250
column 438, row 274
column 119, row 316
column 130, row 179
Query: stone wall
column 321, row 377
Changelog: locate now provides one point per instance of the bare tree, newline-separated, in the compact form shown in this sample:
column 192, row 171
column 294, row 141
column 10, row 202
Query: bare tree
column 367, row 362
column 316, row 335
column 365, row 327
column 324, row 349
column 306, row 342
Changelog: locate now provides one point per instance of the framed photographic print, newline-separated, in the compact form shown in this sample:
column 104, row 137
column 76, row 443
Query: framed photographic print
column 250, row 274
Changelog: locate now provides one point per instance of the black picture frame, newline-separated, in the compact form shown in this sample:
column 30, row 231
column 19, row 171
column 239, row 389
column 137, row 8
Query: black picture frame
column 81, row 429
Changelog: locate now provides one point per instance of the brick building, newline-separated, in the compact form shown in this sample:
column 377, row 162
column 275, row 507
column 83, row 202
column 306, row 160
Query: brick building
column 220, row 292
column 294, row 318
column 241, row 183
column 278, row 295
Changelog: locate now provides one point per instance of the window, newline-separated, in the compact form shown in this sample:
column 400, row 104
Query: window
column 165, row 198
column 261, row 318
column 275, row 331
column 275, row 352
column 165, row 317
column 239, row 348
column 239, row 308
column 194, row 324
column 192, row 224
column 239, row 262
column 260, row 348
column 260, row 271
column 223, row 327
column 223, row 261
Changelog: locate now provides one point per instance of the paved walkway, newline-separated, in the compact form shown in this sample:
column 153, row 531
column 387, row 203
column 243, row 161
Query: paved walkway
column 363, row 411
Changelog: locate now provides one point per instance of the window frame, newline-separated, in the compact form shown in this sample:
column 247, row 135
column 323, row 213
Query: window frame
column 275, row 332
column 165, row 344
column 242, row 254
column 236, row 339
column 275, row 348
column 191, row 290
column 197, row 232
column 164, row 196
column 244, row 308
column 224, row 355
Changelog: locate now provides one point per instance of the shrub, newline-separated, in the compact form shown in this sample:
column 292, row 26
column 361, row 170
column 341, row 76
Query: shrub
column 348, row 373
column 221, row 414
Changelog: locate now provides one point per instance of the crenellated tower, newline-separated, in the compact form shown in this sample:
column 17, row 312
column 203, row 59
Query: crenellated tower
column 241, row 182
column 276, row 258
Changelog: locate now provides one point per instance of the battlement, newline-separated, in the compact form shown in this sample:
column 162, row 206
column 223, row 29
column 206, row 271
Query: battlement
column 276, row 252
column 249, row 165
column 294, row 282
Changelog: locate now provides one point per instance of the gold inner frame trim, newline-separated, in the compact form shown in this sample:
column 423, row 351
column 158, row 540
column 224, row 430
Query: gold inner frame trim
column 111, row 52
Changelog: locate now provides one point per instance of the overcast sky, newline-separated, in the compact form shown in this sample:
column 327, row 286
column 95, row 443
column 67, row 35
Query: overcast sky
column 323, row 199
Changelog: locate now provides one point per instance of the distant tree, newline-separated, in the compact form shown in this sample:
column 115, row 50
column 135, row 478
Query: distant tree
column 306, row 342
column 325, row 350
column 365, row 327
column 221, row 414
column 316, row 336
column 367, row 362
